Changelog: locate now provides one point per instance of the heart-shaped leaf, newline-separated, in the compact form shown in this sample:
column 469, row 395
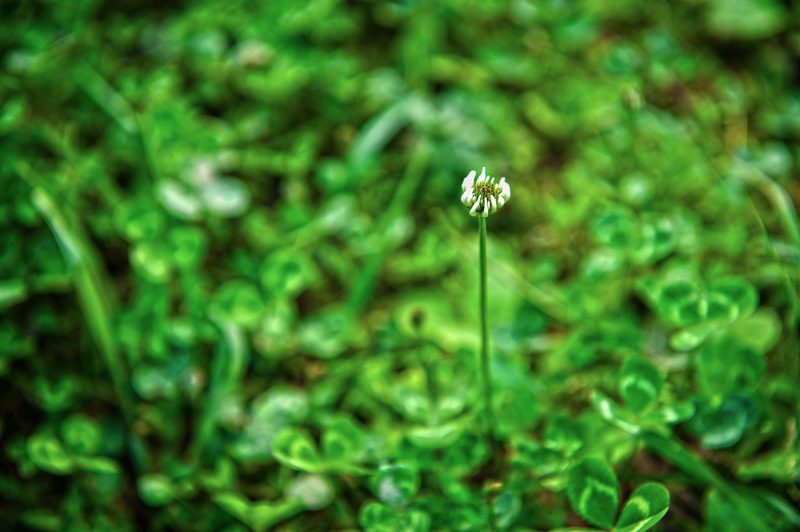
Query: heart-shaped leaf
column 731, row 299
column 376, row 517
column 295, row 449
column 593, row 491
column 238, row 301
column 47, row 453
column 680, row 302
column 396, row 485
column 341, row 440
column 639, row 383
column 648, row 504
column 615, row 414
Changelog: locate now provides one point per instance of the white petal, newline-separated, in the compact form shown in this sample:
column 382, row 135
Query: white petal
column 469, row 181
column 494, row 204
column 482, row 177
column 501, row 201
column 466, row 198
column 505, row 189
column 474, row 210
column 485, row 208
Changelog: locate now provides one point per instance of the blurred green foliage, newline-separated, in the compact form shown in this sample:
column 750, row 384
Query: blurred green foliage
column 238, row 290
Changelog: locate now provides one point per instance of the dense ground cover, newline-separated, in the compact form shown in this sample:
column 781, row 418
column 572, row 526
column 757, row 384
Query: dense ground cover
column 238, row 289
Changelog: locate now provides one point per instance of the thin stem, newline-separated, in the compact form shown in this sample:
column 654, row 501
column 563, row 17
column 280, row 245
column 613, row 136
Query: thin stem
column 486, row 371
column 485, row 367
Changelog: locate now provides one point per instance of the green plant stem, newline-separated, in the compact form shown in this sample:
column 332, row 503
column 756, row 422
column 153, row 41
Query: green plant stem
column 486, row 370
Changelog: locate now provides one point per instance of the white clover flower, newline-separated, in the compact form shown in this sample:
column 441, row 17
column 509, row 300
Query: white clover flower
column 483, row 196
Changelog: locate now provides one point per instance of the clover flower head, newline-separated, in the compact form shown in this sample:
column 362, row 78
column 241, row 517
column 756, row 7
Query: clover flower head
column 483, row 196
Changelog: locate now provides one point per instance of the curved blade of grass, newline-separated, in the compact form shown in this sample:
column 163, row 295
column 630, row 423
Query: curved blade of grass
column 380, row 130
column 106, row 97
column 227, row 369
column 93, row 293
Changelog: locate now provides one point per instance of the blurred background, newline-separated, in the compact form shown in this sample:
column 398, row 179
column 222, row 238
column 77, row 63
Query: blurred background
column 238, row 290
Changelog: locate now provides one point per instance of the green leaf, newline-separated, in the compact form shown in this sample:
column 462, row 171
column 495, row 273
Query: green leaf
column 615, row 227
column 680, row 302
column 81, row 434
column 469, row 452
column 295, row 449
column 759, row 332
column 341, row 439
column 187, row 246
column 151, row 260
column 239, row 302
column 640, row 382
column 97, row 464
column 325, row 335
column 12, row 292
column 156, row 489
column 745, row 19
column 671, row 414
column 541, row 461
column 724, row 426
column 614, row 414
column 264, row 516
column 782, row 466
column 565, row 435
column 435, row 437
column 506, row 508
column 731, row 299
column 593, row 491
column 396, row 485
column 313, row 490
column 725, row 366
column 258, row 516
column 48, row 455
column 286, row 273
column 375, row 517
column 648, row 504
column 692, row 336
column 415, row 521
column 235, row 504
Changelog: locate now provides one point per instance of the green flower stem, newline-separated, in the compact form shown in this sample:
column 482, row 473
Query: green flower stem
column 486, row 371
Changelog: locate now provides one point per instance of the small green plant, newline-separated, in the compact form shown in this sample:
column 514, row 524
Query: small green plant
column 484, row 197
